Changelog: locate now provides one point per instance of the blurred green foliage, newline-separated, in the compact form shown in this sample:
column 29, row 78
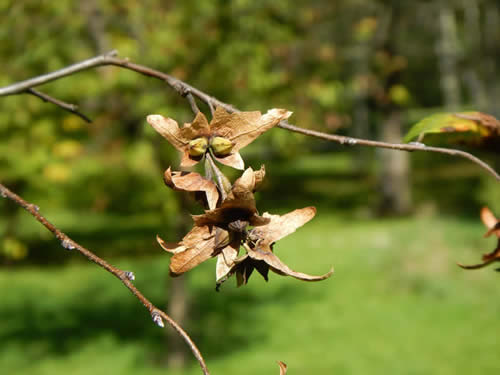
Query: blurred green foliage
column 397, row 304
column 316, row 58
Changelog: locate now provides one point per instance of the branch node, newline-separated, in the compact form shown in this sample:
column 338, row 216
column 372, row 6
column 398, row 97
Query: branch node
column 129, row 275
column 157, row 319
column 418, row 144
column 351, row 141
column 112, row 53
column 210, row 105
column 35, row 207
column 67, row 244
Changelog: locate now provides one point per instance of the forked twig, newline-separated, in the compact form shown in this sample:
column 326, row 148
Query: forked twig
column 67, row 106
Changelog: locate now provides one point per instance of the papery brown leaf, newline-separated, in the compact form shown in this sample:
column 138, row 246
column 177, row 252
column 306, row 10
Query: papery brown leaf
column 259, row 177
column 243, row 188
column 200, row 244
column 236, row 129
column 195, row 235
column 225, row 260
column 281, row 268
column 258, row 246
column 188, row 160
column 493, row 225
column 198, row 128
column 489, row 258
column 239, row 205
column 172, row 247
column 233, row 160
column 490, row 221
column 243, row 127
column 191, row 181
column 169, row 129
column 494, row 230
column 180, row 137
column 282, row 226
column 283, row 367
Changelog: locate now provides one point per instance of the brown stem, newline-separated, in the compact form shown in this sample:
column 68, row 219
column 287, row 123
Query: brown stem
column 218, row 175
column 126, row 277
column 182, row 87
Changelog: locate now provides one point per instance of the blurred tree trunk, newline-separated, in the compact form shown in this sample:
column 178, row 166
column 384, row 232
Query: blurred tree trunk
column 447, row 50
column 361, row 113
column 393, row 178
column 491, row 53
column 178, row 300
column 96, row 25
column 394, row 181
column 473, row 64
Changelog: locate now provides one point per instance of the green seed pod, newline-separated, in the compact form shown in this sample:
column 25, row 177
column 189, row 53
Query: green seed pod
column 198, row 146
column 221, row 146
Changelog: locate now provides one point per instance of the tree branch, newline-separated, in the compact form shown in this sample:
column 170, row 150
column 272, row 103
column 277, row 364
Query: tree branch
column 126, row 277
column 182, row 88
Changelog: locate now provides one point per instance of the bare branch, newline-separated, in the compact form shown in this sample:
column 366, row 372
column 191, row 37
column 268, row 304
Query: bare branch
column 67, row 106
column 413, row 146
column 19, row 87
column 126, row 277
column 182, row 88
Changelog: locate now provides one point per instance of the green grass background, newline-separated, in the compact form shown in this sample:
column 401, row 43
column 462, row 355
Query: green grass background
column 396, row 304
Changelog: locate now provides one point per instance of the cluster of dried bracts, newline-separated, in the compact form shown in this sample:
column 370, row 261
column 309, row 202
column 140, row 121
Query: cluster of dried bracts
column 231, row 220
column 493, row 228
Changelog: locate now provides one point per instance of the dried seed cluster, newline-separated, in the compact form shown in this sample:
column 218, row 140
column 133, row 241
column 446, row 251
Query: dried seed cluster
column 231, row 220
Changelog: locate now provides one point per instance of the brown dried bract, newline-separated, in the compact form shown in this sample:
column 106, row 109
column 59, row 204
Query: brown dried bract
column 259, row 242
column 239, row 204
column 200, row 244
column 191, row 181
column 493, row 227
column 283, row 367
column 239, row 129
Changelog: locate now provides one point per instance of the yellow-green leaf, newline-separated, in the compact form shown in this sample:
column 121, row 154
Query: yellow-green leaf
column 477, row 124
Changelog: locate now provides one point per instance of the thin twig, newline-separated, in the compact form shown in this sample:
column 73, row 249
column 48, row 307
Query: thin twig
column 218, row 175
column 192, row 102
column 126, row 277
column 413, row 146
column 67, row 106
column 183, row 87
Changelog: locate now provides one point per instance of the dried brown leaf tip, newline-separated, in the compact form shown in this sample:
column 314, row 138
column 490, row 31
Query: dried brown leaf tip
column 193, row 182
column 283, row 367
column 226, row 134
column 493, row 227
column 200, row 244
column 258, row 243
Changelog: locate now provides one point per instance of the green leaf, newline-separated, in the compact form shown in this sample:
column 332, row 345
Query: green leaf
column 477, row 124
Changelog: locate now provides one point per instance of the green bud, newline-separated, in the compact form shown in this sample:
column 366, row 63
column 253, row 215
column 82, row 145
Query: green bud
column 221, row 146
column 198, row 146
